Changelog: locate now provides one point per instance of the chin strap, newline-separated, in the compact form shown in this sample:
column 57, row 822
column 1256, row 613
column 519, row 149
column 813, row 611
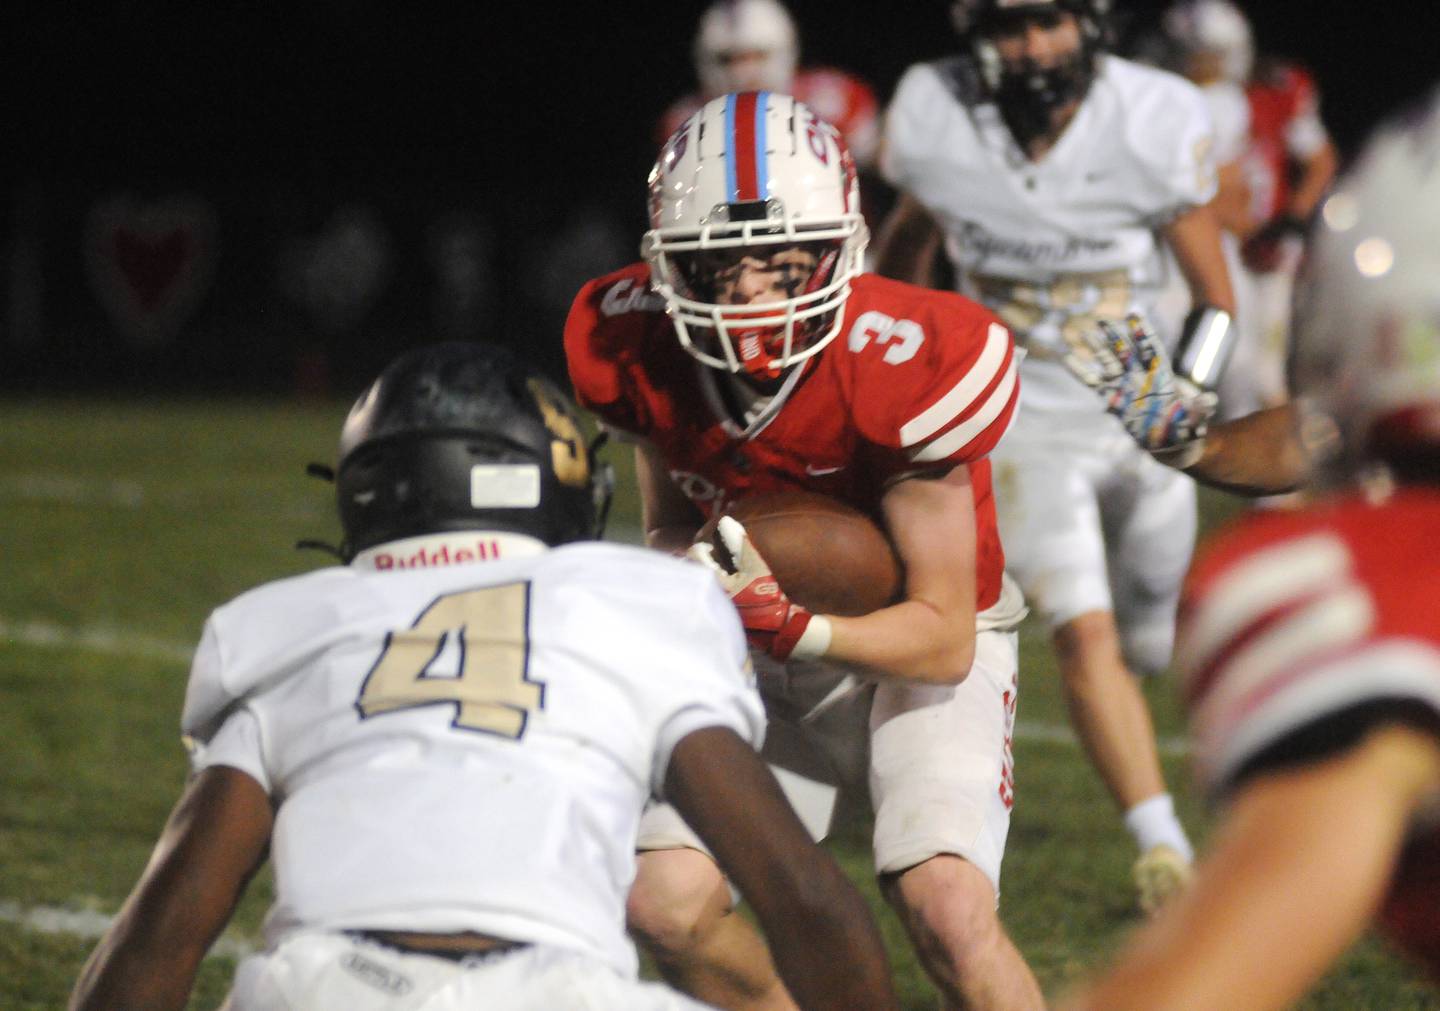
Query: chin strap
column 755, row 356
column 325, row 473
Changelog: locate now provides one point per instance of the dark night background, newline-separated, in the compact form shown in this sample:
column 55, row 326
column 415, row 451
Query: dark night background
column 475, row 162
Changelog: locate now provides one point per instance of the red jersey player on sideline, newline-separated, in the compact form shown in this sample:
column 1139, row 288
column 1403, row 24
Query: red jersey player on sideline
column 751, row 45
column 752, row 354
column 1309, row 643
column 1290, row 143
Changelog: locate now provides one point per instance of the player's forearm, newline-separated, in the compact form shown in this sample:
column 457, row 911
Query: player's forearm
column 1291, row 880
column 1233, row 201
column 839, row 959
column 133, row 968
column 1195, row 239
column 910, row 641
column 215, row 840
column 907, row 244
column 669, row 519
column 1315, row 179
column 1259, row 454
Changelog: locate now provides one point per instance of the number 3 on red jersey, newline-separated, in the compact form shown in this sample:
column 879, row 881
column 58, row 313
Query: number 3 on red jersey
column 900, row 337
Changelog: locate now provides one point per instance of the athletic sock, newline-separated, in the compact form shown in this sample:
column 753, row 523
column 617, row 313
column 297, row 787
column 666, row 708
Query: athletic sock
column 1153, row 823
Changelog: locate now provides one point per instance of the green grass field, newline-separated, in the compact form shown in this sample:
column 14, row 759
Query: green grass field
column 122, row 523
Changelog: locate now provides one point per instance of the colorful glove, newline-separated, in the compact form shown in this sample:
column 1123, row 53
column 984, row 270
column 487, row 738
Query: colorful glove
column 1130, row 370
column 773, row 623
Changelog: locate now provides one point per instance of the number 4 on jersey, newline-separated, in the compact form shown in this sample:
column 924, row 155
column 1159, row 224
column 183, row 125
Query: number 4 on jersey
column 486, row 630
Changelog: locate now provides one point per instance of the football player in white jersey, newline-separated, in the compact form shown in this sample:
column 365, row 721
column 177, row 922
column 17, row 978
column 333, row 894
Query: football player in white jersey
column 1210, row 44
column 444, row 746
column 1052, row 171
column 1308, row 640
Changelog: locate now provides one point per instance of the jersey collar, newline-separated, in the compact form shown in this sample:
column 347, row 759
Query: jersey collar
column 431, row 551
column 760, row 412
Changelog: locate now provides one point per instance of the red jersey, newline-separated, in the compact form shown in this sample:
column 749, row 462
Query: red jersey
column 1284, row 126
column 917, row 380
column 1291, row 619
column 842, row 100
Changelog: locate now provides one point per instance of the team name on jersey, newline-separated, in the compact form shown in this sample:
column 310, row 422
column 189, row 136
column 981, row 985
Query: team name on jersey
column 482, row 550
column 977, row 239
column 627, row 296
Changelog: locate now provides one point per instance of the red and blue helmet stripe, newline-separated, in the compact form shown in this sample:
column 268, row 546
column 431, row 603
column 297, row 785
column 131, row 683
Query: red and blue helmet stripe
column 746, row 177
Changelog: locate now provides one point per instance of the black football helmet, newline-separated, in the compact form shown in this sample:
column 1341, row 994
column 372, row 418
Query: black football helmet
column 463, row 436
column 1026, row 96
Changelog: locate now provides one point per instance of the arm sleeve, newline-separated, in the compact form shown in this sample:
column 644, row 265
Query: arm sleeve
column 595, row 372
column 206, row 697
column 1230, row 112
column 1275, row 642
column 954, row 400
column 1173, row 136
column 238, row 744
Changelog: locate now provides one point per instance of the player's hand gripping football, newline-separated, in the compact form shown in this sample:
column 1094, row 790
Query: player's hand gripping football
column 1130, row 370
column 773, row 622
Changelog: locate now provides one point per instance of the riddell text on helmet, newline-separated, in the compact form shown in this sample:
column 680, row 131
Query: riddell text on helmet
column 445, row 554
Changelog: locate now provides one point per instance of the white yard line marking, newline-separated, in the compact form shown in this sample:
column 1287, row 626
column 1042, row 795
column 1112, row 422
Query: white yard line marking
column 66, row 489
column 126, row 643
column 90, row 923
column 96, row 639
column 1050, row 733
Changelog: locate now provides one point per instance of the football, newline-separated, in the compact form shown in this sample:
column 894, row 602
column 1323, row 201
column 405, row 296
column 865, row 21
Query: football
column 827, row 556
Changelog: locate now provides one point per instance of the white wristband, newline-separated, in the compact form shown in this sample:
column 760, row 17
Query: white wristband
column 814, row 642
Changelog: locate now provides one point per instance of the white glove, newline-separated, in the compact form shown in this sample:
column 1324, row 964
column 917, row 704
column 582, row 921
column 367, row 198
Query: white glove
column 773, row 622
column 1130, row 370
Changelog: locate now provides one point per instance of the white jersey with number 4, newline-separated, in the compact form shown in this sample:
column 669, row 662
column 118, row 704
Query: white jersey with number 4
column 460, row 731
column 1050, row 245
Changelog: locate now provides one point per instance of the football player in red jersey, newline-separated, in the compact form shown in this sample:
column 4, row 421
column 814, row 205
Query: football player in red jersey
column 793, row 369
column 1308, row 640
column 1298, row 158
column 752, row 45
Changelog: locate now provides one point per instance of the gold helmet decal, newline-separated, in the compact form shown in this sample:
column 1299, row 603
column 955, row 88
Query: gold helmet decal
column 567, row 447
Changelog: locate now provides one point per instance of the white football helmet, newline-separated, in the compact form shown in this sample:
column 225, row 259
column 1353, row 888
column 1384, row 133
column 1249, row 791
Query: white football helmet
column 1213, row 26
column 1366, row 347
column 746, row 45
column 761, row 173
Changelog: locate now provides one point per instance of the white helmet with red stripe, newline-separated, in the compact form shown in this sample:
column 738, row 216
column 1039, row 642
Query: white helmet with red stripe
column 745, row 45
column 1213, row 26
column 1366, row 349
column 752, row 175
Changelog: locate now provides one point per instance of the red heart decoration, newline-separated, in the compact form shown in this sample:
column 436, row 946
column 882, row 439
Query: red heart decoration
column 150, row 262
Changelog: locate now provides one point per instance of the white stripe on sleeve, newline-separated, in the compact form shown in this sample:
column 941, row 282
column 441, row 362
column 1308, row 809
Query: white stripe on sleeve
column 964, row 432
column 962, row 394
column 1287, row 572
